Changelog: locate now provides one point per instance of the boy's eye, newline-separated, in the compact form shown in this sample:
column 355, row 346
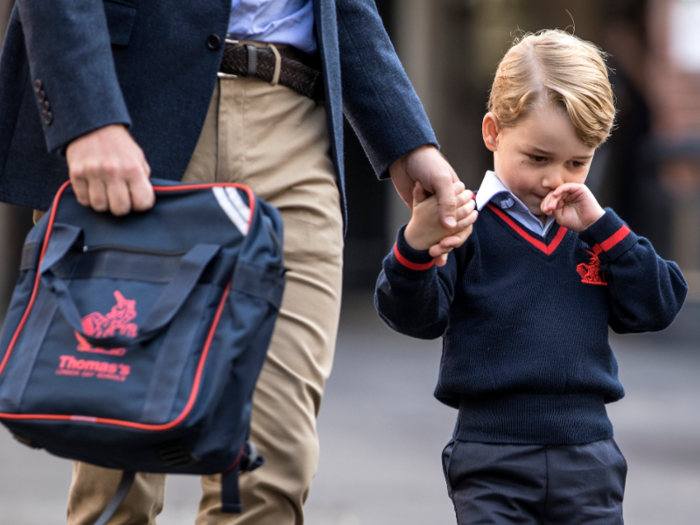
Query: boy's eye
column 537, row 158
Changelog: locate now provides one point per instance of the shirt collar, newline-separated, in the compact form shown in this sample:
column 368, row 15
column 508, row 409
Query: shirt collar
column 491, row 187
column 493, row 190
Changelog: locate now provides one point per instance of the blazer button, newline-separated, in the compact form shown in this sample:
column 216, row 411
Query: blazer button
column 213, row 42
column 41, row 96
column 38, row 85
column 48, row 118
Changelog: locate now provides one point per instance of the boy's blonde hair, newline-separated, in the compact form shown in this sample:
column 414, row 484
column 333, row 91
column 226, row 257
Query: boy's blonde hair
column 555, row 67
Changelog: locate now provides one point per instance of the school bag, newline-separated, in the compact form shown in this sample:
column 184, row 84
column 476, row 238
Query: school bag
column 135, row 342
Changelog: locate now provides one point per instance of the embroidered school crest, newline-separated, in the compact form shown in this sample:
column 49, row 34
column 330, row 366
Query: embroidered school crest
column 590, row 272
column 116, row 322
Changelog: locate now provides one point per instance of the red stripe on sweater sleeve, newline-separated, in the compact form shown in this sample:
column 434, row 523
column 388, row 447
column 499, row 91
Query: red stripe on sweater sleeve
column 408, row 264
column 620, row 234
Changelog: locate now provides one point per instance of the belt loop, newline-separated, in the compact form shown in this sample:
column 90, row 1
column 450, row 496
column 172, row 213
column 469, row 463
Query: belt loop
column 278, row 64
column 252, row 60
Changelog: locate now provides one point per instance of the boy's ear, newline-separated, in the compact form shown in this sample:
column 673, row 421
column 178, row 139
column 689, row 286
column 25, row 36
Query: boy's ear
column 490, row 130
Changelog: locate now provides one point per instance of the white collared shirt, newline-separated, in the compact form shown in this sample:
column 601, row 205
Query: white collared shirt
column 494, row 191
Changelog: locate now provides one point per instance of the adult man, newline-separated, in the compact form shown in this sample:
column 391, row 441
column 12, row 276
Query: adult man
column 94, row 69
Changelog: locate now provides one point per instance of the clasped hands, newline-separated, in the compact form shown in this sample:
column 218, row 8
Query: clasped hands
column 446, row 218
column 109, row 172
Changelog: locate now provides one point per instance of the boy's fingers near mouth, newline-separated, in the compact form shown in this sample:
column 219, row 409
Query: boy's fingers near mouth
column 549, row 203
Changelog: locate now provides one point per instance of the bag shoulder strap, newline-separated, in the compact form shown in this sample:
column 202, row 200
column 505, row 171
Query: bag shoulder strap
column 122, row 490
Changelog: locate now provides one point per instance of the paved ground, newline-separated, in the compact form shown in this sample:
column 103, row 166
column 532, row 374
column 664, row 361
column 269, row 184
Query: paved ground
column 382, row 433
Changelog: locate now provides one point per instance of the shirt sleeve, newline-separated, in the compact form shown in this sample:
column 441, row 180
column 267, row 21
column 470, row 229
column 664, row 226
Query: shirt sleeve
column 412, row 295
column 646, row 291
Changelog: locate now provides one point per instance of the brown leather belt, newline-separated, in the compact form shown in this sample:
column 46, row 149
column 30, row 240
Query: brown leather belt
column 294, row 70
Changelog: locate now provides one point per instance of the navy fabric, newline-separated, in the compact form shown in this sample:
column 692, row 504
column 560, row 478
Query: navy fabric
column 125, row 483
column 525, row 319
column 20, row 370
column 495, row 484
column 190, row 354
column 230, row 492
column 152, row 65
column 169, row 303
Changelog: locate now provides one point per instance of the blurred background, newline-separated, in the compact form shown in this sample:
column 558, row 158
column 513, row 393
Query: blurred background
column 381, row 431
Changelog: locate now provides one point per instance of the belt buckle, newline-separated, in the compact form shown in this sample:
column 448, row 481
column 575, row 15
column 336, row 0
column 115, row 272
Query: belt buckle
column 219, row 74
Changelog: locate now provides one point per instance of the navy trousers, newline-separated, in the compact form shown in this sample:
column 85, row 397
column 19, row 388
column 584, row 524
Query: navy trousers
column 497, row 484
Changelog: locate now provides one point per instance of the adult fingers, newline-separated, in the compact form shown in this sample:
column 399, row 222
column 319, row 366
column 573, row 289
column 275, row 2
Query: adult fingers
column 119, row 197
column 97, row 194
column 80, row 188
column 447, row 201
column 142, row 195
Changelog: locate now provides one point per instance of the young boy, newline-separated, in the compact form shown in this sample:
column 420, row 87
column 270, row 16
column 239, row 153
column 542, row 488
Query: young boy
column 525, row 304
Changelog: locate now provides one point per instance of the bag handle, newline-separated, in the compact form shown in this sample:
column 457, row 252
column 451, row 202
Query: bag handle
column 165, row 308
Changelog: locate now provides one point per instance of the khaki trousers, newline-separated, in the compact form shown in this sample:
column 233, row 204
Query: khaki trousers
column 275, row 141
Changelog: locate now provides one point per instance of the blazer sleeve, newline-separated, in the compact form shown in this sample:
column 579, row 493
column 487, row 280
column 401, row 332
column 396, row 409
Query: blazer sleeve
column 378, row 98
column 71, row 67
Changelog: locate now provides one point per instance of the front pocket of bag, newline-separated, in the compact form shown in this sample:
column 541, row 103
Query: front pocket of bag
column 73, row 377
column 68, row 375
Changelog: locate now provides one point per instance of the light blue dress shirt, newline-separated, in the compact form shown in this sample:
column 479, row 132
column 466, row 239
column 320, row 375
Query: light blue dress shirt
column 279, row 21
column 493, row 190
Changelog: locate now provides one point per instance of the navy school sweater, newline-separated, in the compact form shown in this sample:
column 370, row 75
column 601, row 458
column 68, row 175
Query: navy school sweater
column 525, row 319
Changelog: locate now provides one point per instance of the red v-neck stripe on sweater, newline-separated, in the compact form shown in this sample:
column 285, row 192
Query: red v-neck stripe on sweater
column 548, row 249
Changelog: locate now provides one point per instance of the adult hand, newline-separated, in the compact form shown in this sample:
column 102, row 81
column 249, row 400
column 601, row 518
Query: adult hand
column 109, row 171
column 427, row 166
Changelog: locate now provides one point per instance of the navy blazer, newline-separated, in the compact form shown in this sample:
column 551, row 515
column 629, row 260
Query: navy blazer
column 71, row 66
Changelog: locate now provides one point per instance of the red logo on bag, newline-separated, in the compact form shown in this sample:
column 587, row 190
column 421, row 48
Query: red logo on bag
column 70, row 366
column 116, row 322
column 591, row 273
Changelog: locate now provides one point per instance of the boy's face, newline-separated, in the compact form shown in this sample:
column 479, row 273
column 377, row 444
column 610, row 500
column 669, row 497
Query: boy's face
column 537, row 155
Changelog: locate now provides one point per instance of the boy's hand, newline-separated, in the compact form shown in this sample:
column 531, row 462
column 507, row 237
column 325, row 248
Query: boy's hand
column 426, row 231
column 573, row 206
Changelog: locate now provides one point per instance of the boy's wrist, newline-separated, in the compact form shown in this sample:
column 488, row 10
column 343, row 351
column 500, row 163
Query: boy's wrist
column 596, row 216
column 409, row 257
column 609, row 236
column 414, row 239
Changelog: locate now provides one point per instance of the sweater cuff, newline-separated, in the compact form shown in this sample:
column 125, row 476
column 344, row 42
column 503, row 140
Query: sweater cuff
column 609, row 235
column 418, row 260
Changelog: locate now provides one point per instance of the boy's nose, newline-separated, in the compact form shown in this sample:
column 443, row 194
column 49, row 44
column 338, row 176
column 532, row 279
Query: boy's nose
column 553, row 179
